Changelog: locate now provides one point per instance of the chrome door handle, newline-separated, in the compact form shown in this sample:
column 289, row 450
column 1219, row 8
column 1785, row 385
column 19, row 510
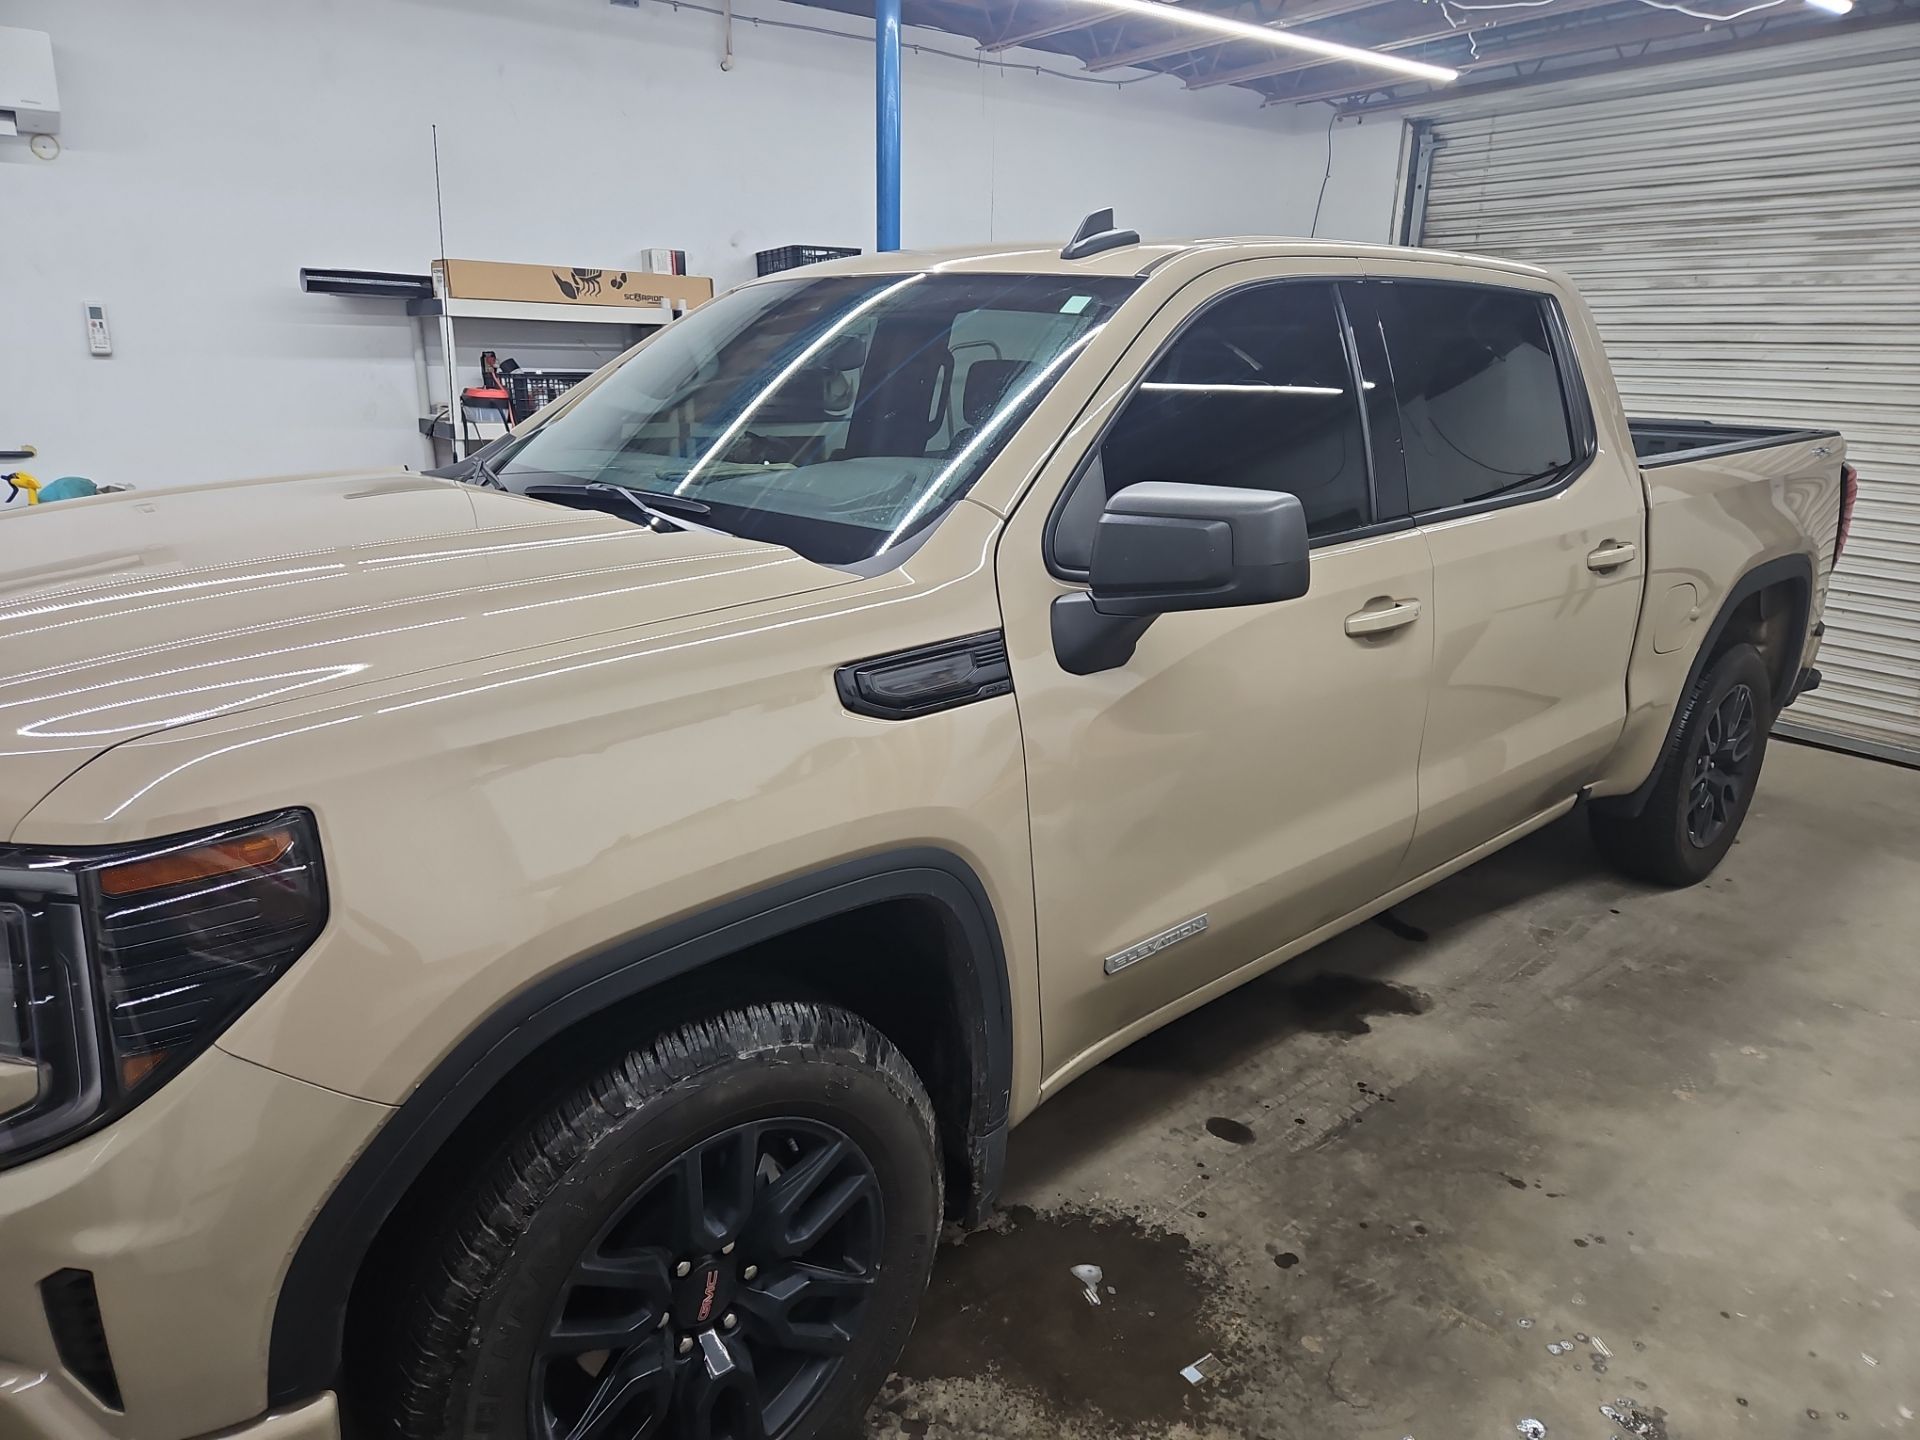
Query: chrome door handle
column 1611, row 556
column 1387, row 617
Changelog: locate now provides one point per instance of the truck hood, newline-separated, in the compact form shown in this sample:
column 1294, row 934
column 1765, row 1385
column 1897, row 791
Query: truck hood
column 144, row 611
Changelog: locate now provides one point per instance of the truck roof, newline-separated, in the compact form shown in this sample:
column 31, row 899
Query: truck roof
column 1043, row 257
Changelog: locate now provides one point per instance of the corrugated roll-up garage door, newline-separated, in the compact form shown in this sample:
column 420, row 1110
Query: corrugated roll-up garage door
column 1750, row 244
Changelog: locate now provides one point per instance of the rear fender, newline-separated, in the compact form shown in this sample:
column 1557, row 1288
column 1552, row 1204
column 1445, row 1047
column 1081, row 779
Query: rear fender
column 1795, row 572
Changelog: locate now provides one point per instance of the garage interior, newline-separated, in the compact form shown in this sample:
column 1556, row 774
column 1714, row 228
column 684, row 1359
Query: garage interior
column 1537, row 1142
column 1539, row 1151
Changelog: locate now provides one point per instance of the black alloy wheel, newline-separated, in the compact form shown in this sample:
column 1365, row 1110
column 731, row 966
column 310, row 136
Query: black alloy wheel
column 721, row 1233
column 1722, row 766
column 1699, row 794
column 720, row 1300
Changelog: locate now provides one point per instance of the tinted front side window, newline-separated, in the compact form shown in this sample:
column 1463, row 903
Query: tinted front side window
column 1256, row 393
column 1482, row 408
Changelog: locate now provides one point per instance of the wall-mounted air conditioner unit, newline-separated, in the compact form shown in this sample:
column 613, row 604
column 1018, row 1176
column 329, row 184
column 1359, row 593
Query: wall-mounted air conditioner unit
column 29, row 100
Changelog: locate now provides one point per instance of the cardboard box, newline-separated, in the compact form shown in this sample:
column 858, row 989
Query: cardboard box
column 566, row 285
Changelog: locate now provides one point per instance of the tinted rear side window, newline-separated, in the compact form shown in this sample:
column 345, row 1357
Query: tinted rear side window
column 1257, row 392
column 1483, row 410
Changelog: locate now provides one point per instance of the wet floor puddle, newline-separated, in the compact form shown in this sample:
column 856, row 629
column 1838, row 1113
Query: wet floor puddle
column 1005, row 1300
column 1335, row 1004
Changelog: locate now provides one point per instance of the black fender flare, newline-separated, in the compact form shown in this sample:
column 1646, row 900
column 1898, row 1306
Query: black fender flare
column 1796, row 568
column 304, row 1354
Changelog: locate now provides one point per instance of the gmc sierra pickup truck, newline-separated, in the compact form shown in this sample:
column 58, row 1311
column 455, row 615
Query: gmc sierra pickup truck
column 537, row 956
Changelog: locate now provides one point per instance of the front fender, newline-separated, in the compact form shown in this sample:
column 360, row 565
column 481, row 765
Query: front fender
column 309, row 1319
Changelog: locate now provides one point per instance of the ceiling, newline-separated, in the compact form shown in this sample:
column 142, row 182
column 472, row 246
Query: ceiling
column 1491, row 42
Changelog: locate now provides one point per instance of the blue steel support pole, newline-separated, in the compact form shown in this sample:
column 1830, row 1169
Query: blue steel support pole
column 886, row 75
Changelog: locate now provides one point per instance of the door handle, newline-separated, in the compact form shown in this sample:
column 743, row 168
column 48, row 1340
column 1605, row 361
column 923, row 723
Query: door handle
column 1611, row 555
column 1377, row 619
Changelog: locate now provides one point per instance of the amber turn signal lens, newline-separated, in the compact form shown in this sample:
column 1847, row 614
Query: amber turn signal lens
column 135, row 1068
column 224, row 857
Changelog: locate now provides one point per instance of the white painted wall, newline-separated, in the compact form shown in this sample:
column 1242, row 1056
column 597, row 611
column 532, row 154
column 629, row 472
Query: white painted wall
column 212, row 147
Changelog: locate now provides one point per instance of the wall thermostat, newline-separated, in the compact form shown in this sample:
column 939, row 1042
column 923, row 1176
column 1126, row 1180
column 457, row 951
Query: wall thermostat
column 98, row 340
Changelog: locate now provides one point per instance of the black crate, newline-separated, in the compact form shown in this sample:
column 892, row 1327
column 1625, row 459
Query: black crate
column 531, row 389
column 792, row 257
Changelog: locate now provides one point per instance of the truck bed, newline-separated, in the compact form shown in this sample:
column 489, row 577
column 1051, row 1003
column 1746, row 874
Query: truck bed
column 1670, row 442
column 1728, row 506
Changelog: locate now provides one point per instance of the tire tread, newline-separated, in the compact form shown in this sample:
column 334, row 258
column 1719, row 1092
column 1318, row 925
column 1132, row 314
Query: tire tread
column 506, row 1199
column 1651, row 845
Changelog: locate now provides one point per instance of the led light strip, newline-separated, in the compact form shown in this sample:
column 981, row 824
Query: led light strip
column 1227, row 388
column 1286, row 39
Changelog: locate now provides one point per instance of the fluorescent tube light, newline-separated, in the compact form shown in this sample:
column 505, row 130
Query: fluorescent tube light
column 1229, row 388
column 1832, row 7
column 1292, row 40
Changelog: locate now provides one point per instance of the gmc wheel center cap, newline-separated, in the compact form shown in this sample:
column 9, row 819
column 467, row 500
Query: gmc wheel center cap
column 702, row 1296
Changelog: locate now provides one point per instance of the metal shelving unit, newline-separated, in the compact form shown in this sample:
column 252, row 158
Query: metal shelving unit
column 475, row 432
column 442, row 316
column 537, row 310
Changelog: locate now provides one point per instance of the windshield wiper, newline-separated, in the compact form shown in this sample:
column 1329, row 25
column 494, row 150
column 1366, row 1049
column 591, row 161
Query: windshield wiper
column 650, row 506
column 655, row 499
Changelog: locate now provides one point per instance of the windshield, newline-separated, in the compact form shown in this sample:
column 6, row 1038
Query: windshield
column 837, row 416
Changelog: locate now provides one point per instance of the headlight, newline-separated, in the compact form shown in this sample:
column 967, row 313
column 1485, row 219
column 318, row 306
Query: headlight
column 117, row 966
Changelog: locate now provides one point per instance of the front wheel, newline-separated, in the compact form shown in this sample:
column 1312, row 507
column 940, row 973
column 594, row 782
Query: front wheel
column 726, row 1233
column 1706, row 779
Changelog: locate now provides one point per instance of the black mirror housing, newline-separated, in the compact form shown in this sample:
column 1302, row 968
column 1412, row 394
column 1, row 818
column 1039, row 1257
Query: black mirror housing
column 1162, row 547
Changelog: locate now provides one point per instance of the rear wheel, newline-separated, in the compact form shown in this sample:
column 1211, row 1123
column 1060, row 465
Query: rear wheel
column 723, row 1235
column 1706, row 780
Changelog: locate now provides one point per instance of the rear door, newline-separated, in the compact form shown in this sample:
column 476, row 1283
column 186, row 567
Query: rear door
column 1249, row 774
column 1536, row 535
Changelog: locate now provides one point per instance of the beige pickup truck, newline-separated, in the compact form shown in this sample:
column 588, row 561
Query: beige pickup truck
column 538, row 956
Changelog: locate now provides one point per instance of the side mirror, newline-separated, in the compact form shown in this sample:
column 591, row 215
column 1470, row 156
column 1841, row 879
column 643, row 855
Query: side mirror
column 1162, row 547
column 849, row 352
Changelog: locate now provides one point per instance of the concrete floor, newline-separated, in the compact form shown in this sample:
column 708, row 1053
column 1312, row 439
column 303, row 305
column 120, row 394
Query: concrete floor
column 1677, row 1131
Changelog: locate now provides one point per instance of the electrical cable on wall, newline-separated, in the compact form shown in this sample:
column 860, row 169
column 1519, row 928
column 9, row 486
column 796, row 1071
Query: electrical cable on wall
column 1705, row 15
column 1314, row 229
column 978, row 58
column 1448, row 6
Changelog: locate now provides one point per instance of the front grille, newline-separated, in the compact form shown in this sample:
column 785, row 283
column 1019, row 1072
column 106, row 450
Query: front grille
column 79, row 1334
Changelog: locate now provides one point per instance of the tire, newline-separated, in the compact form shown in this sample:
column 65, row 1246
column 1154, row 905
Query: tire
column 757, row 1196
column 1705, row 783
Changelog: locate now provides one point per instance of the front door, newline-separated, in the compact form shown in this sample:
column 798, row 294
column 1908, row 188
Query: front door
column 1250, row 774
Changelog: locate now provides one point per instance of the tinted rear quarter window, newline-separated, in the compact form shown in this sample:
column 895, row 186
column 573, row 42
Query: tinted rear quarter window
column 1483, row 406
